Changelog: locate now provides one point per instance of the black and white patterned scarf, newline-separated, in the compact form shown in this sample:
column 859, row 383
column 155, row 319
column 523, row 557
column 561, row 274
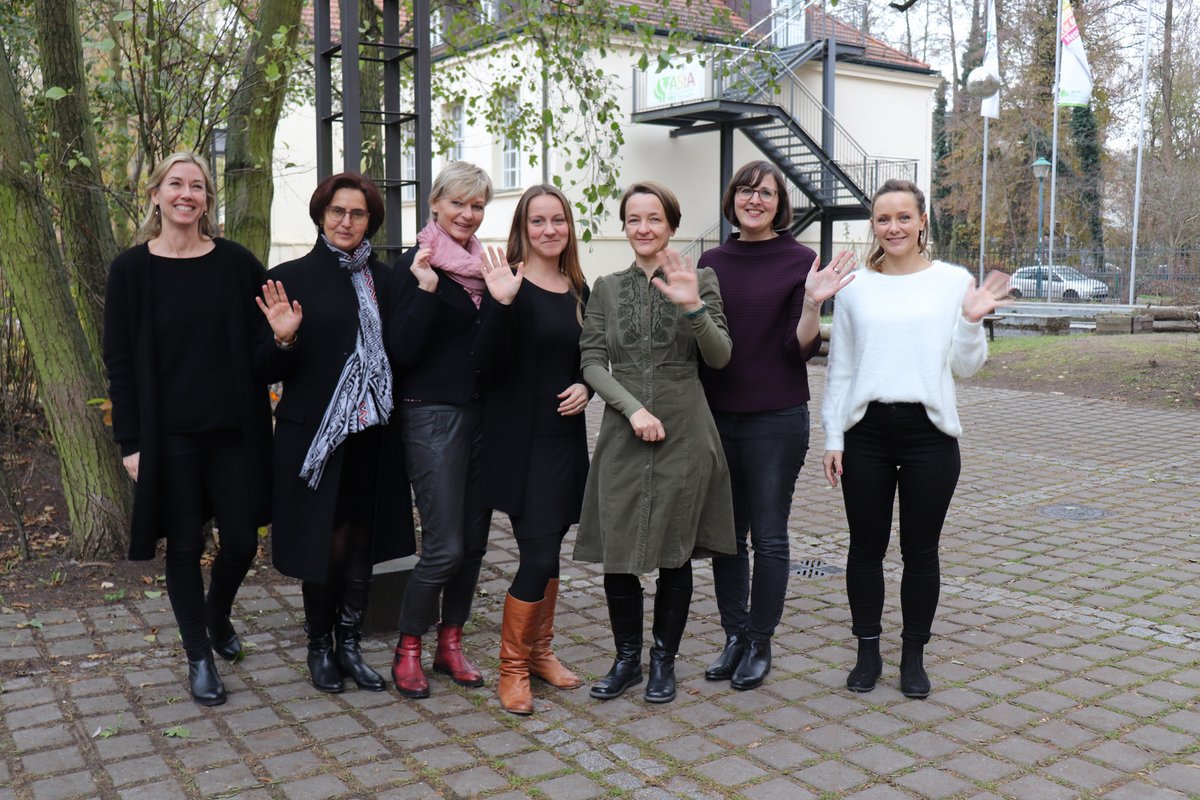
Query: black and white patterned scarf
column 363, row 396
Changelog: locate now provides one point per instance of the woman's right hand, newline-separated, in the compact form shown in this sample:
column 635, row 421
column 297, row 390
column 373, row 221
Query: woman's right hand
column 502, row 282
column 427, row 279
column 131, row 462
column 823, row 284
column 647, row 427
column 283, row 317
column 833, row 466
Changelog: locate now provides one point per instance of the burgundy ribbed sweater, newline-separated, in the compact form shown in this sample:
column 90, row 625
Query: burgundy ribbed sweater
column 762, row 288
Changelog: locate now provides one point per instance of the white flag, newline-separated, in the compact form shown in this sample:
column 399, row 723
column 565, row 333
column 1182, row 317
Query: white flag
column 1075, row 76
column 990, row 107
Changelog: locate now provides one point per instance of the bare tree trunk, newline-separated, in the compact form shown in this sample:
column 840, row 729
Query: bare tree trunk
column 1168, row 89
column 254, row 112
column 86, row 225
column 97, row 490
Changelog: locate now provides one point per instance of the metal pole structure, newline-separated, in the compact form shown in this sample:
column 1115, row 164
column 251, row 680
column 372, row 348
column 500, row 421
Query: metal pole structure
column 1137, row 180
column 1054, row 146
column 1041, row 263
column 983, row 204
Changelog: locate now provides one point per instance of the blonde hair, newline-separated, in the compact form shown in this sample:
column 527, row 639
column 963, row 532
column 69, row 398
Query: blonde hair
column 875, row 259
column 151, row 226
column 461, row 178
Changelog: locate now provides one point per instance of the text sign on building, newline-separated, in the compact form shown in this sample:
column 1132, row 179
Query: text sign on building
column 681, row 82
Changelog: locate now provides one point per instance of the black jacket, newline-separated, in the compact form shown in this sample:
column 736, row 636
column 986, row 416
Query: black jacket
column 303, row 518
column 433, row 340
column 131, row 361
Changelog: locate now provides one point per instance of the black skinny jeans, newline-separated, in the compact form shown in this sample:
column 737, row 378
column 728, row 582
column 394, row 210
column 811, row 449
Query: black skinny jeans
column 896, row 446
column 203, row 475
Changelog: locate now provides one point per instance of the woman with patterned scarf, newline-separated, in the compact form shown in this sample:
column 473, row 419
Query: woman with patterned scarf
column 341, row 493
column 439, row 287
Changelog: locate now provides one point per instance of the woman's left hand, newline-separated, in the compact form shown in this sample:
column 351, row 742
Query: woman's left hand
column 283, row 317
column 502, row 282
column 980, row 301
column 681, row 287
column 574, row 400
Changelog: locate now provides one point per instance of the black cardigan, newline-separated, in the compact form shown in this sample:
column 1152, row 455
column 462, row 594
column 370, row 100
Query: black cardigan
column 131, row 361
column 303, row 518
column 507, row 355
column 433, row 340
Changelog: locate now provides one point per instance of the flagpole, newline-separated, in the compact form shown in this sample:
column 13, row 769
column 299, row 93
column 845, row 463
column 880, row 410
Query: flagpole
column 1137, row 180
column 1054, row 145
column 983, row 204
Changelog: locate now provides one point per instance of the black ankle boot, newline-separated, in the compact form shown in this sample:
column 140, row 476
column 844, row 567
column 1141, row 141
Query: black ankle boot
column 204, row 680
column 625, row 614
column 225, row 641
column 722, row 669
column 869, row 667
column 323, row 670
column 670, row 616
column 349, row 636
column 913, row 680
column 754, row 666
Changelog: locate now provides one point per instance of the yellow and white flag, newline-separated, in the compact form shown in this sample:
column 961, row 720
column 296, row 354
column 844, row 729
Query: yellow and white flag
column 1075, row 76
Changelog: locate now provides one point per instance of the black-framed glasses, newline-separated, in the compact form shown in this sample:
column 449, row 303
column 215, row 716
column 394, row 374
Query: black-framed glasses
column 337, row 214
column 764, row 194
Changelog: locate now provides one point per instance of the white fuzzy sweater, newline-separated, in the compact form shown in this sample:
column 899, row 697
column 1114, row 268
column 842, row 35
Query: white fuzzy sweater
column 900, row 339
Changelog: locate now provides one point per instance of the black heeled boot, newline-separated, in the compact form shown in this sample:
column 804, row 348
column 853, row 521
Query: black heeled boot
column 349, row 636
column 914, row 682
column 319, row 610
column 225, row 641
column 671, row 605
column 755, row 665
column 625, row 614
column 869, row 667
column 204, row 681
column 722, row 669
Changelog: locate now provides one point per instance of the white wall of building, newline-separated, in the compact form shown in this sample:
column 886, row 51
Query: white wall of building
column 888, row 112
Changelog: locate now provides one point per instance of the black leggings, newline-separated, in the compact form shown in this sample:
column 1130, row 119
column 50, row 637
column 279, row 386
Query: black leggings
column 203, row 475
column 622, row 584
column 539, row 560
column 896, row 446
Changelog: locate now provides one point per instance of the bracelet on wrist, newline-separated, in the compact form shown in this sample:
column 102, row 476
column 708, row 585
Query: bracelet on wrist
column 282, row 345
column 693, row 314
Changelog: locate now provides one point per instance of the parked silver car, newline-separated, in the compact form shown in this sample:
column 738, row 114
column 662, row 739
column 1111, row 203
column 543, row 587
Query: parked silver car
column 1058, row 281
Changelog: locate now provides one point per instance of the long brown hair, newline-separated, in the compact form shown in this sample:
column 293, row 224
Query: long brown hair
column 875, row 260
column 151, row 226
column 519, row 244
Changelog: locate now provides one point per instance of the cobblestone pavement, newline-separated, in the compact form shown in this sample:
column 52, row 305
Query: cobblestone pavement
column 1064, row 663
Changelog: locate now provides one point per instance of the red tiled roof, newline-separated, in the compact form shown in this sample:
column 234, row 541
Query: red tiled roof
column 824, row 26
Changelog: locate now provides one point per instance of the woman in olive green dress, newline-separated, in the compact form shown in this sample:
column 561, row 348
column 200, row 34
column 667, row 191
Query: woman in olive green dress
column 657, row 493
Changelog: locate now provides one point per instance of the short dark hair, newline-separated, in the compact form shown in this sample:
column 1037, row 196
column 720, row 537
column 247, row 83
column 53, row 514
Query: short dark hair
column 670, row 202
column 751, row 175
column 323, row 195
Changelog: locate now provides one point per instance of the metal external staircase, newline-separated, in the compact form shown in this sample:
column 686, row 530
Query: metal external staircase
column 753, row 86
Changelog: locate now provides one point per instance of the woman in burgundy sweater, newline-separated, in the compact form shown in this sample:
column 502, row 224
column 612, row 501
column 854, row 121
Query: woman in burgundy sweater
column 760, row 404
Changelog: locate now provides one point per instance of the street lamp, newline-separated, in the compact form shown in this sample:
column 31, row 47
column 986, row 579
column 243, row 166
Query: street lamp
column 1041, row 168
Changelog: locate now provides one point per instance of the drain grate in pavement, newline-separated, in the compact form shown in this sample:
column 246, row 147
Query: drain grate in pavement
column 1069, row 511
column 814, row 568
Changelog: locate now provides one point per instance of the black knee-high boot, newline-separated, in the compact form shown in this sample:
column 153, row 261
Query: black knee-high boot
column 625, row 614
column 320, row 607
column 349, row 635
column 671, row 603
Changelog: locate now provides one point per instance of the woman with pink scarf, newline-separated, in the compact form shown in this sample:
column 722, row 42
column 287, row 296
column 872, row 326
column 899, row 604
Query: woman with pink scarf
column 440, row 287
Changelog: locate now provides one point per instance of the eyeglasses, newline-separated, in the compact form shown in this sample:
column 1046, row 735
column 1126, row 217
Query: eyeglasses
column 337, row 214
column 766, row 195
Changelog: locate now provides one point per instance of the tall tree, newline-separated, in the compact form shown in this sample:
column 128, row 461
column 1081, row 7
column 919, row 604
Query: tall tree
column 75, row 163
column 96, row 489
column 254, row 112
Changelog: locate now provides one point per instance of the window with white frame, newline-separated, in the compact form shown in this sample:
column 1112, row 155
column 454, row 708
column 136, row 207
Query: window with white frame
column 409, row 173
column 436, row 33
column 457, row 132
column 510, row 153
column 489, row 10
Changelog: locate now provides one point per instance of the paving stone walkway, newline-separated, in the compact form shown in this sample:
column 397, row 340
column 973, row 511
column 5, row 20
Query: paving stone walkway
column 1065, row 663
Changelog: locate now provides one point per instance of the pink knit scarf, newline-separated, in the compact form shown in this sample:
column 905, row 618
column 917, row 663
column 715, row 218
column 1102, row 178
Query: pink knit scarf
column 461, row 264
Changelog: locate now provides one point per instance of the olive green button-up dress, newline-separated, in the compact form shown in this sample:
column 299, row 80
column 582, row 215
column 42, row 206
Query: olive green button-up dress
column 653, row 504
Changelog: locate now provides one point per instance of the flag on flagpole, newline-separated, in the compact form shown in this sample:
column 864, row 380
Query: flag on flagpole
column 1075, row 76
column 990, row 106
